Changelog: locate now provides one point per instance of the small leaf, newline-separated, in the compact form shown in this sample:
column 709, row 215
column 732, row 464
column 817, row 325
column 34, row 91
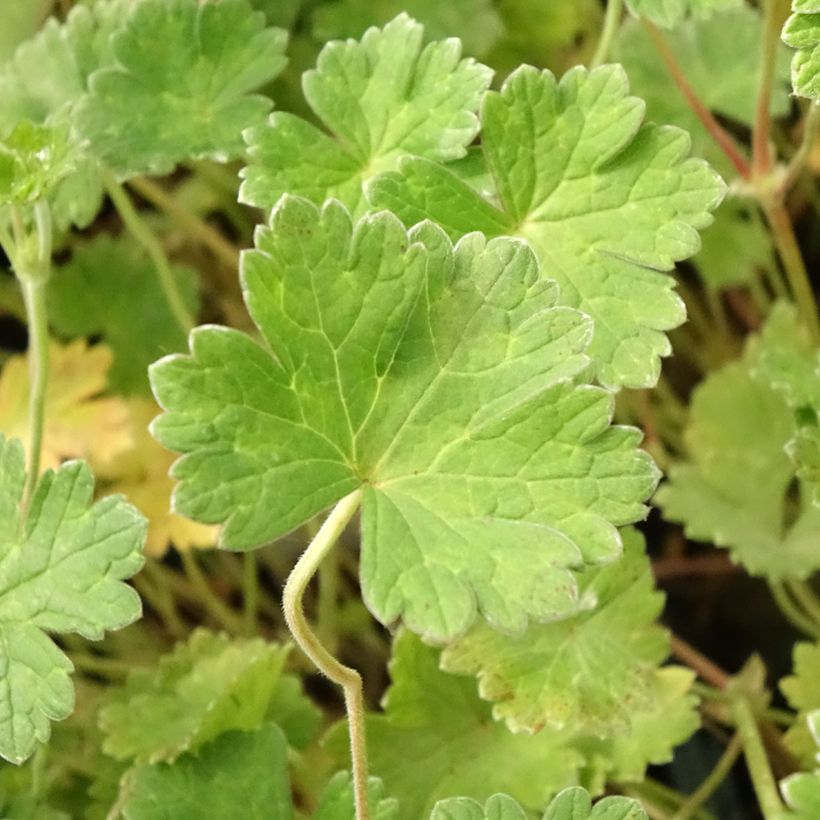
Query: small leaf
column 439, row 382
column 802, row 32
column 802, row 690
column 381, row 98
column 592, row 672
column 61, row 571
column 498, row 807
column 81, row 422
column 575, row 804
column 608, row 204
column 236, row 774
column 181, row 84
column 337, row 801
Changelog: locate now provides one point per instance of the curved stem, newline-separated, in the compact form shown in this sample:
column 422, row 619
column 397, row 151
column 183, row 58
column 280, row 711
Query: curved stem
column 811, row 125
column 349, row 679
column 153, row 247
column 757, row 762
column 712, row 781
column 614, row 11
column 793, row 614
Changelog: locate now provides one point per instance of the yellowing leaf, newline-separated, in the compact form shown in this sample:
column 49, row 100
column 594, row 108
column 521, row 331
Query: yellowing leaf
column 80, row 422
column 141, row 475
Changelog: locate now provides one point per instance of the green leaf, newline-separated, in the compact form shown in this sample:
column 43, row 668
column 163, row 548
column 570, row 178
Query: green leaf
column 109, row 288
column 20, row 21
column 669, row 13
column 209, row 685
column 236, row 774
column 437, row 738
column 802, row 32
column 722, row 71
column 593, row 672
column 734, row 490
column 293, row 712
column 801, row 792
column 802, row 690
column 475, row 22
column 570, row 804
column 60, row 571
column 608, row 204
column 437, row 379
column 181, row 84
column 337, row 800
column 498, row 807
column 381, row 98
column 804, row 450
column 43, row 81
column 33, row 161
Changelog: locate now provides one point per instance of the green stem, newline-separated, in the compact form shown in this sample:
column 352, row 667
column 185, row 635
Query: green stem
column 757, row 762
column 614, row 12
column 207, row 598
column 195, row 227
column 153, row 247
column 806, row 597
column 789, row 251
column 775, row 12
column 150, row 585
column 811, row 125
column 349, row 679
column 708, row 787
column 793, row 614
column 779, row 717
column 33, row 277
column 250, row 593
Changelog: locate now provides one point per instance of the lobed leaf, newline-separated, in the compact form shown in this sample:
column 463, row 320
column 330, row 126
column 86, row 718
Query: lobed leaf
column 734, row 490
column 593, row 672
column 61, row 570
column 608, row 204
column 802, row 32
column 337, row 800
column 435, row 378
column 380, row 98
column 209, row 685
column 180, row 84
column 803, row 694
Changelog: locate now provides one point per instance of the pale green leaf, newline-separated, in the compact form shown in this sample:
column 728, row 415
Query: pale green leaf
column 181, row 85
column 733, row 490
column 435, row 377
column 437, row 739
column 801, row 792
column 802, row 32
column 61, row 571
column 804, row 450
column 498, row 807
column 607, row 203
column 380, row 98
column 337, row 801
column 593, row 672
column 293, row 712
column 109, row 288
column 20, row 21
column 802, row 690
column 209, row 685
column 670, row 13
column 575, row 804
column 238, row 774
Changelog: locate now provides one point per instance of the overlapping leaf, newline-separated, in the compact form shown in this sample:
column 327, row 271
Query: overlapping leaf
column 207, row 686
column 381, row 98
column 336, row 802
column 109, row 288
column 802, row 32
column 60, row 571
column 436, row 378
column 669, row 13
column 81, row 421
column 734, row 491
column 607, row 203
column 180, row 84
column 593, row 672
column 802, row 689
